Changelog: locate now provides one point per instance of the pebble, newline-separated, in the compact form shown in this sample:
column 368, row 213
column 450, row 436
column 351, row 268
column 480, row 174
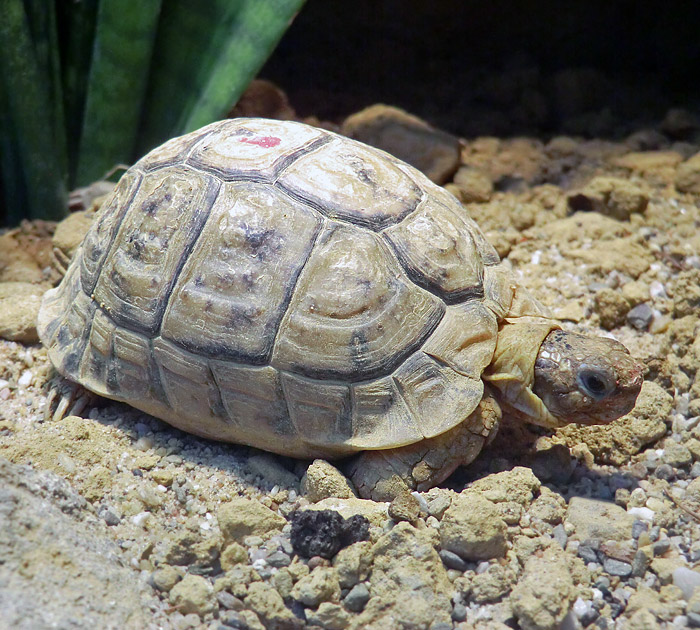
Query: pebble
column 404, row 507
column 660, row 547
column 459, row 612
column 228, row 601
column 687, row 580
column 617, row 567
column 110, row 517
column 587, row 553
column 641, row 316
column 438, row 505
column 644, row 513
column 452, row 560
column 278, row 559
column 357, row 597
column 638, row 527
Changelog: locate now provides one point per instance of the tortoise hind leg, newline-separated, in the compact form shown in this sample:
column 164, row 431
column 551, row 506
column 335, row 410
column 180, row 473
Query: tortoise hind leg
column 381, row 475
column 65, row 398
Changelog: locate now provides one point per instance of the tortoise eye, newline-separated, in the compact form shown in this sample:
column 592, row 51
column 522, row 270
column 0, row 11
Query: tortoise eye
column 595, row 383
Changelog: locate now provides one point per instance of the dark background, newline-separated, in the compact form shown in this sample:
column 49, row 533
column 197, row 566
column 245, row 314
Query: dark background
column 590, row 68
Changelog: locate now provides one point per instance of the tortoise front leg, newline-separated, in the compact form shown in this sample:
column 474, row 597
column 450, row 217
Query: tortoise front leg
column 381, row 475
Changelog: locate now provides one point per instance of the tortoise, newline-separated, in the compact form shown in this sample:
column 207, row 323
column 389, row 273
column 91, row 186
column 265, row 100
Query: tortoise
column 278, row 285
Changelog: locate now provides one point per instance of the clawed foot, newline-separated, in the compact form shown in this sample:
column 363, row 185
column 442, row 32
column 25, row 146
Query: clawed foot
column 65, row 398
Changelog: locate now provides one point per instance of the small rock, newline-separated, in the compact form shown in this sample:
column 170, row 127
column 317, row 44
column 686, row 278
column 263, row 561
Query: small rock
column 278, row 559
column 165, row 577
column 688, row 175
column 491, row 585
column 321, row 585
column 452, row 560
column 232, row 555
column 110, row 517
column 660, row 547
column 194, row 594
column 611, row 307
column 19, row 307
column 324, row 532
column 404, row 507
column 617, row 567
column 600, row 520
column 408, row 582
column 519, row 484
column 459, row 612
column 375, row 512
column 243, row 517
column 587, row 553
column 228, row 601
column 323, row 480
column 612, row 196
column 406, row 137
column 283, row 582
column 330, row 616
column 642, row 560
column 353, row 563
column 474, row 186
column 641, row 316
column 687, row 580
column 269, row 606
column 473, row 529
column 676, row 454
column 357, row 598
column 638, row 528
column 438, row 505
column 545, row 592
column 665, row 567
column 686, row 293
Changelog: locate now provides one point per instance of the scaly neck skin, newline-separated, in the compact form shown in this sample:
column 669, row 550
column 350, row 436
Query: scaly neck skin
column 511, row 373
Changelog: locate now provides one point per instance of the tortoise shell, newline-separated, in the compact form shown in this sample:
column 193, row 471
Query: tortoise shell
column 278, row 285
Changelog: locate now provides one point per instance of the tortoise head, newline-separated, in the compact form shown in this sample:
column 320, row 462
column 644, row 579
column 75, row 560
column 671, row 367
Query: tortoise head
column 586, row 380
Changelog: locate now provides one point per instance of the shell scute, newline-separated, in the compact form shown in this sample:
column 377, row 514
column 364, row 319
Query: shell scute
column 354, row 312
column 236, row 284
column 352, row 183
column 438, row 250
column 153, row 242
column 253, row 149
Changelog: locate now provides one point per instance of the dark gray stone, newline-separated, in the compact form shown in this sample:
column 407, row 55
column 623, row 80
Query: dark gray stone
column 278, row 559
column 587, row 554
column 452, row 561
column 617, row 567
column 357, row 598
column 459, row 612
column 660, row 547
column 229, row 601
column 640, row 317
column 638, row 528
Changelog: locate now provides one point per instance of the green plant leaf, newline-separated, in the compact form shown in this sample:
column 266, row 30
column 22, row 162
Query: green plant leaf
column 29, row 120
column 76, row 33
column 118, row 73
column 206, row 54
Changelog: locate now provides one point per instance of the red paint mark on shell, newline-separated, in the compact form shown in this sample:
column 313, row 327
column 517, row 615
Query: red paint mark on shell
column 266, row 142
